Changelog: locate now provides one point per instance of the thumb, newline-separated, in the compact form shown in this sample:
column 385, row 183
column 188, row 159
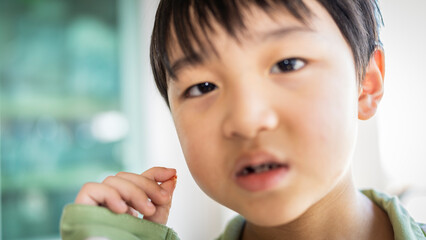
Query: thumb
column 161, row 214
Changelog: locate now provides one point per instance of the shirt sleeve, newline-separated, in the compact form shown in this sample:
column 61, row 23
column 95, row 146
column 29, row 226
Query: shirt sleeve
column 83, row 222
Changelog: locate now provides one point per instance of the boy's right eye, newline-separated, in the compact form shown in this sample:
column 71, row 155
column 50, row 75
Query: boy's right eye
column 199, row 89
column 288, row 65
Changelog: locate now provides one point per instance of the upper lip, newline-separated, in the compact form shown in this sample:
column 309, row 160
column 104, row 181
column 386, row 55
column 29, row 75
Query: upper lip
column 255, row 158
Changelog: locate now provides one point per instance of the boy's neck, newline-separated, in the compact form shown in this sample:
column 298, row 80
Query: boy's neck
column 344, row 213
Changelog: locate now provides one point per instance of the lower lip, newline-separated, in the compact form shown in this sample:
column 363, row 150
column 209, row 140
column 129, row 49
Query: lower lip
column 262, row 181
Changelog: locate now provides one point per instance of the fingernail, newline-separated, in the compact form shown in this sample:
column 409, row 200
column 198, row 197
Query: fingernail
column 149, row 204
column 134, row 212
column 174, row 181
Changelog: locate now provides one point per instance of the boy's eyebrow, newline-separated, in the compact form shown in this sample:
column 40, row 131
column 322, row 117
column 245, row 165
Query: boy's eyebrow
column 196, row 59
column 187, row 61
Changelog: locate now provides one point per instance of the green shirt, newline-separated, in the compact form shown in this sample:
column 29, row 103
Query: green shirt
column 80, row 222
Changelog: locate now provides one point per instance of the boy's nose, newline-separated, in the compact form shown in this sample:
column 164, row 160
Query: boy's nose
column 248, row 114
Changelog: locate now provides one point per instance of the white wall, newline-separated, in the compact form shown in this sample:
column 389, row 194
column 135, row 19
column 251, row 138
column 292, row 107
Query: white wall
column 367, row 168
column 402, row 117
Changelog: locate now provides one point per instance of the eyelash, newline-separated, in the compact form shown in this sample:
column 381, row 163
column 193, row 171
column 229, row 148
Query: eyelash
column 283, row 66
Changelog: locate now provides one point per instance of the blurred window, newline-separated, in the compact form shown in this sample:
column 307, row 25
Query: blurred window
column 62, row 122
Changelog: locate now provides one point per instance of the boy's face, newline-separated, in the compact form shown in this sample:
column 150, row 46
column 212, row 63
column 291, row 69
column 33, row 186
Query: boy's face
column 282, row 101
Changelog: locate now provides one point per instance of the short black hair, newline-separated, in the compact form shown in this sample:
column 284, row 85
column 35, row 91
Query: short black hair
column 358, row 20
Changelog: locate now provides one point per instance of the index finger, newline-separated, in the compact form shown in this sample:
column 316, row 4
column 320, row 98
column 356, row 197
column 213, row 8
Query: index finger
column 159, row 174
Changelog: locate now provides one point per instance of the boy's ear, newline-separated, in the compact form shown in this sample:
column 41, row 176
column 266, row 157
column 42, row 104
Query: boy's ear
column 371, row 88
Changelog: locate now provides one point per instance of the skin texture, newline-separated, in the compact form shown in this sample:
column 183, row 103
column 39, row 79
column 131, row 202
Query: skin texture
column 306, row 117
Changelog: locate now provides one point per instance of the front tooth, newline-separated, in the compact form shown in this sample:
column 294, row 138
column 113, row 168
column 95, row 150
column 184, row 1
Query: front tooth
column 258, row 169
column 261, row 168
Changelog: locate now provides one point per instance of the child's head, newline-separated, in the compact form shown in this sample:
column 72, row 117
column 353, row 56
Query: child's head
column 265, row 96
column 184, row 24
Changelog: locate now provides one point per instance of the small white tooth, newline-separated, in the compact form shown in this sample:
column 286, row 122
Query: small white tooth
column 263, row 168
column 260, row 168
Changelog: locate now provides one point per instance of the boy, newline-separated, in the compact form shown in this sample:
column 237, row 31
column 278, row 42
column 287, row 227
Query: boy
column 265, row 97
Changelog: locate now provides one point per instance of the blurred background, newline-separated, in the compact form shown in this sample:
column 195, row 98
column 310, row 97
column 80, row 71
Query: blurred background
column 78, row 103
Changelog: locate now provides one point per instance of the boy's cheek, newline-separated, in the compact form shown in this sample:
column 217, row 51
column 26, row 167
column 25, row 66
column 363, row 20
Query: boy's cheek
column 325, row 127
column 199, row 144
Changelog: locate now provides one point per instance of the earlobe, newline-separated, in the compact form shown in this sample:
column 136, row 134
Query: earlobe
column 371, row 88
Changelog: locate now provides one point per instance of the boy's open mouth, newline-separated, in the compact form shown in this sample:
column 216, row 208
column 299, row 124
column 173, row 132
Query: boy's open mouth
column 259, row 171
column 264, row 167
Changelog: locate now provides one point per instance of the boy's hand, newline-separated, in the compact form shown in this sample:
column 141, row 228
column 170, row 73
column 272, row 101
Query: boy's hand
column 127, row 192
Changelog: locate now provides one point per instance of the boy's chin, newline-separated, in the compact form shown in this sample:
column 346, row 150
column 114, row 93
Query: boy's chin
column 274, row 217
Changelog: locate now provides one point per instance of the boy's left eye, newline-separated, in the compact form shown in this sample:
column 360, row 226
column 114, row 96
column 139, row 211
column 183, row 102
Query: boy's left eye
column 199, row 89
column 288, row 65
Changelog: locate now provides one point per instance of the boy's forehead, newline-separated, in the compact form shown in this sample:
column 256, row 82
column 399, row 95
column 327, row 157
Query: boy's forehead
column 259, row 25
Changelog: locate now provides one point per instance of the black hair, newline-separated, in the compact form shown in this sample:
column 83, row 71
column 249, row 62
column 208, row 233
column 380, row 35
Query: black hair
column 358, row 20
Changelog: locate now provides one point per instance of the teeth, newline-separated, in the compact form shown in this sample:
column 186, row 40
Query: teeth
column 259, row 169
column 262, row 168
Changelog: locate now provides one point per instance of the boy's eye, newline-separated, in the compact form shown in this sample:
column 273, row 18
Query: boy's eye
column 199, row 89
column 288, row 65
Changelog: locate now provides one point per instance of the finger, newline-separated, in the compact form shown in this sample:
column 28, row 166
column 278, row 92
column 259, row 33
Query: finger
column 169, row 185
column 161, row 214
column 96, row 194
column 132, row 194
column 157, row 194
column 159, row 174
